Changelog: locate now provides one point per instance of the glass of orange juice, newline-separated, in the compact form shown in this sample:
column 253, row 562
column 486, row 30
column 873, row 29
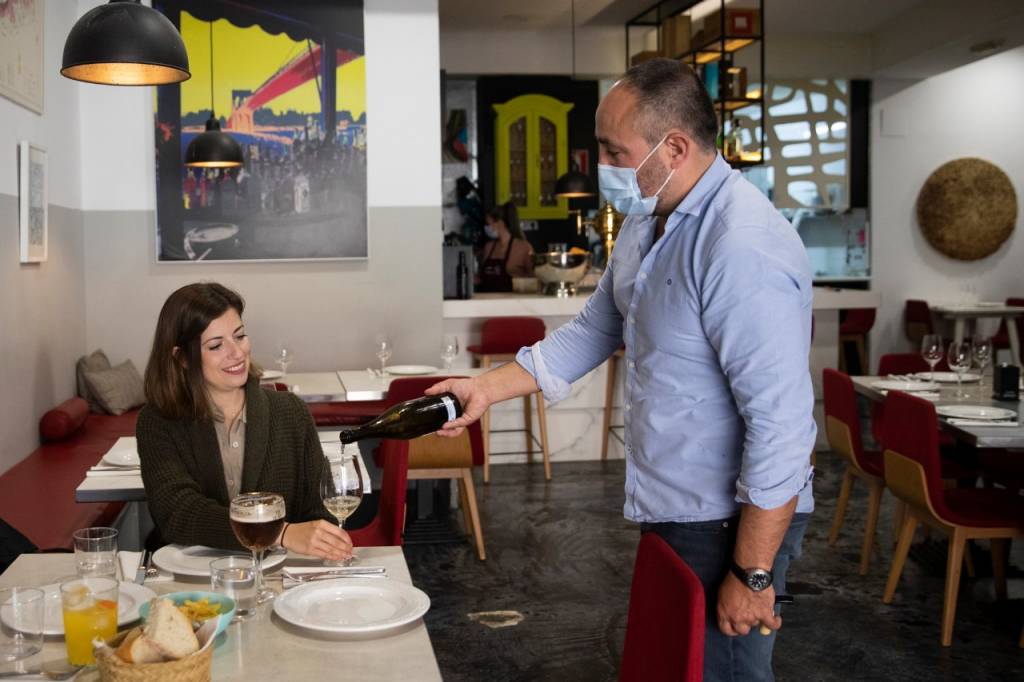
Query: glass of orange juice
column 90, row 611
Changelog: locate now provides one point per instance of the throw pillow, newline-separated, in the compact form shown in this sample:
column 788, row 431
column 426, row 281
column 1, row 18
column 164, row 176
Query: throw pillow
column 117, row 389
column 93, row 362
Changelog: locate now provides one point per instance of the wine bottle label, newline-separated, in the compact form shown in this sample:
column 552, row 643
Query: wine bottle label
column 449, row 405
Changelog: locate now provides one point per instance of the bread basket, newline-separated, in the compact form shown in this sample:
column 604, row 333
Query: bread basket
column 194, row 668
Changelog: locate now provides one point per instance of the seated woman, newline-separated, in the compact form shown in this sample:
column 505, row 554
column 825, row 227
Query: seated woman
column 507, row 254
column 209, row 431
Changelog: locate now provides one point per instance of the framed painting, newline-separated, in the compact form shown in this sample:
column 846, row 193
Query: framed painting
column 21, row 52
column 32, row 202
column 287, row 81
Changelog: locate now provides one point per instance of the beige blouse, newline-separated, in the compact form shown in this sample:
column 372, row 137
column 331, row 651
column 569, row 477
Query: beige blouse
column 232, row 449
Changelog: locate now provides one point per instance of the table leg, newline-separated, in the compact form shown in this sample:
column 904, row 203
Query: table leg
column 958, row 329
column 1011, row 331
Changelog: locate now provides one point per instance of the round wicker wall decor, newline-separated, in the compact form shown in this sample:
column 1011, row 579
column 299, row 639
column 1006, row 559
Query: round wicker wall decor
column 967, row 208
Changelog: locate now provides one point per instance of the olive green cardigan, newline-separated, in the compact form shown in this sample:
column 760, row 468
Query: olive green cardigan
column 184, row 475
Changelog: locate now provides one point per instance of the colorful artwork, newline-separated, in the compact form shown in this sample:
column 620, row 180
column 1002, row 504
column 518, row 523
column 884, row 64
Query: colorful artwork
column 21, row 52
column 289, row 85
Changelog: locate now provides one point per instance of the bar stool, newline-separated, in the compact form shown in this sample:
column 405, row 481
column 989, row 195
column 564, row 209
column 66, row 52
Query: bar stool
column 500, row 340
column 609, row 394
column 854, row 329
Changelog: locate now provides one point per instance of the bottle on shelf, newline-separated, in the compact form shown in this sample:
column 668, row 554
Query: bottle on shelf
column 732, row 146
column 462, row 277
column 411, row 419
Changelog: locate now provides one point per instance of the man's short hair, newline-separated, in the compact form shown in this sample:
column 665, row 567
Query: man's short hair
column 670, row 95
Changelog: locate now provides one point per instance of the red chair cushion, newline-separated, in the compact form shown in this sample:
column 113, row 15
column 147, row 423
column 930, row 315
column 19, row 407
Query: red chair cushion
column 665, row 626
column 872, row 462
column 506, row 335
column 348, row 413
column 984, row 507
column 858, row 321
column 62, row 421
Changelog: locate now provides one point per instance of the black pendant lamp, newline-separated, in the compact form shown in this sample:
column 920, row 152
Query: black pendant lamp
column 125, row 43
column 213, row 148
column 574, row 184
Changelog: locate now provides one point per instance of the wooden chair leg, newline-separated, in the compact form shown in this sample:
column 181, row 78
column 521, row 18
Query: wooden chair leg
column 542, row 421
column 901, row 514
column 464, row 503
column 609, row 394
column 1000, row 556
column 844, row 499
column 528, row 421
column 485, row 428
column 899, row 557
column 842, row 355
column 969, row 561
column 954, row 562
column 474, row 513
column 862, row 354
column 874, row 504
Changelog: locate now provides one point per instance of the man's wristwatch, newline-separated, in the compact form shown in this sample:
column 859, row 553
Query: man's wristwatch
column 757, row 579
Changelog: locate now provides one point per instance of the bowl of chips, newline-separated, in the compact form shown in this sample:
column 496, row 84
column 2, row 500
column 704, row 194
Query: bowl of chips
column 200, row 607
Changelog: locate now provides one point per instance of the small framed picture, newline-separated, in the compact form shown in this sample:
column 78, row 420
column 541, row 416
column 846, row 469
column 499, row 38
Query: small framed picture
column 32, row 202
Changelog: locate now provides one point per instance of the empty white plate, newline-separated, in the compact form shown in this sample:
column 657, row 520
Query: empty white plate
column 410, row 370
column 123, row 453
column 908, row 386
column 352, row 606
column 269, row 374
column 947, row 377
column 195, row 560
column 129, row 598
column 979, row 412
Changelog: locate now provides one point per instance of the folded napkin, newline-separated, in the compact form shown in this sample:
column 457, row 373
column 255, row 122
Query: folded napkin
column 129, row 562
column 980, row 422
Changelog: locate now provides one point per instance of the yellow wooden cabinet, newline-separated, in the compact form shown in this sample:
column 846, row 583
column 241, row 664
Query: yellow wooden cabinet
column 531, row 152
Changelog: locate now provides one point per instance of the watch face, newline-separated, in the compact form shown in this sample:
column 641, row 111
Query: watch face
column 758, row 579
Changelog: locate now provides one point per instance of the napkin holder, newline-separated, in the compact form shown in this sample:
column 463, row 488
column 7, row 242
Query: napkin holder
column 1005, row 382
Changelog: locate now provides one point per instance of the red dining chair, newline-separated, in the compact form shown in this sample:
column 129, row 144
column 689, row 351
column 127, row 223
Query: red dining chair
column 386, row 527
column 917, row 321
column 1001, row 340
column 913, row 474
column 842, row 426
column 854, row 329
column 500, row 340
column 904, row 364
column 665, row 626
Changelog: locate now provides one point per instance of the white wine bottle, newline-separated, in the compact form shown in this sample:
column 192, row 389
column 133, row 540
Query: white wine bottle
column 411, row 419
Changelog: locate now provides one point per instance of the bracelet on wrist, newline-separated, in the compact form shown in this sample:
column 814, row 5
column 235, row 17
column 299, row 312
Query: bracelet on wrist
column 280, row 540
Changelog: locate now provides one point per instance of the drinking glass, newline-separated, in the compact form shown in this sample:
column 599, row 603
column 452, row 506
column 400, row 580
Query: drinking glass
column 90, row 611
column 982, row 356
column 285, row 356
column 449, row 350
column 96, row 552
column 383, row 351
column 959, row 358
column 257, row 519
column 22, row 610
column 235, row 576
column 931, row 351
column 341, row 488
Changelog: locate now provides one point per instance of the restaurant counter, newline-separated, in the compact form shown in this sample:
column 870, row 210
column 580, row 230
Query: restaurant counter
column 574, row 425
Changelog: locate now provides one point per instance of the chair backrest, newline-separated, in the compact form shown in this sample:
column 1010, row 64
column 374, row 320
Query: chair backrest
column 907, row 363
column 386, row 527
column 407, row 388
column 504, row 335
column 911, row 431
column 1019, row 321
column 917, row 320
column 842, row 423
column 665, row 627
column 858, row 321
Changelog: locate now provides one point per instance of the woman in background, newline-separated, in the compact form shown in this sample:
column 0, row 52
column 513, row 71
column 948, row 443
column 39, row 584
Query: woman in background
column 507, row 254
column 209, row 431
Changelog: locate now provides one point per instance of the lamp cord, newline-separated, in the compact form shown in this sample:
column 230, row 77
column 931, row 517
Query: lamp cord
column 211, row 69
column 572, row 18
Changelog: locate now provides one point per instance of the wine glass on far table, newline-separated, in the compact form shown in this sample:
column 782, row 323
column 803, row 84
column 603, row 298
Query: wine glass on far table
column 960, row 357
column 449, row 350
column 285, row 356
column 341, row 488
column 383, row 350
column 932, row 351
column 257, row 519
column 982, row 356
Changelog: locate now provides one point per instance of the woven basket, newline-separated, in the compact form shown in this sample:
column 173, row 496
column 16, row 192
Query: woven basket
column 194, row 668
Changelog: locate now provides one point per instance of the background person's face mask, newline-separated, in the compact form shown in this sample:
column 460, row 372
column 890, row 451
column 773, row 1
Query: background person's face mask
column 490, row 231
column 621, row 188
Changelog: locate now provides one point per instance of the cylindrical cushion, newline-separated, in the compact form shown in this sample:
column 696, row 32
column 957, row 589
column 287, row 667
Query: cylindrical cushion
column 62, row 421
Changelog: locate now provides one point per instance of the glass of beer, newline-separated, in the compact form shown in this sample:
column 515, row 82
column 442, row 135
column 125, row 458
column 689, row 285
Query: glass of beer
column 341, row 487
column 257, row 519
column 90, row 611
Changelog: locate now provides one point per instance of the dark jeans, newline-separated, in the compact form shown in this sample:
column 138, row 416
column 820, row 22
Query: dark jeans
column 707, row 547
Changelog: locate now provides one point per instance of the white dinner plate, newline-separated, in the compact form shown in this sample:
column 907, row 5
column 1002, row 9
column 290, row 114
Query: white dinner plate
column 270, row 374
column 410, row 370
column 908, row 386
column 947, row 377
column 122, row 458
column 194, row 561
column 352, row 606
column 129, row 598
column 980, row 412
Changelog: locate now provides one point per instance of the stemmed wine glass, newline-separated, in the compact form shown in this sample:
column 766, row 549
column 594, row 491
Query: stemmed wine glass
column 341, row 488
column 982, row 355
column 383, row 351
column 257, row 519
column 449, row 350
column 931, row 351
column 285, row 356
column 959, row 357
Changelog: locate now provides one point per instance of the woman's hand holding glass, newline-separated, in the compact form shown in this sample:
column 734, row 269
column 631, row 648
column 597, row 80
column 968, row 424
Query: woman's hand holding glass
column 318, row 538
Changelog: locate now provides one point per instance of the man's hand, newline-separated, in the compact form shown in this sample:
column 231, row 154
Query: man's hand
column 740, row 608
column 472, row 396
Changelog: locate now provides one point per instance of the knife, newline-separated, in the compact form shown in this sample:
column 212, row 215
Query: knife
column 140, row 572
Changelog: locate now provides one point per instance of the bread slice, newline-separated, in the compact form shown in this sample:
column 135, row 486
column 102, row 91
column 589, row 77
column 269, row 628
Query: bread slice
column 137, row 649
column 169, row 631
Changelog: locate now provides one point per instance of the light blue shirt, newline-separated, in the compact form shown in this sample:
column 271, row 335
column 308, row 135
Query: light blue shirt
column 716, row 319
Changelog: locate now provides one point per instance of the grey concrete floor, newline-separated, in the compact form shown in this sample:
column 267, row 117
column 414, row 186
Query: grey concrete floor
column 561, row 555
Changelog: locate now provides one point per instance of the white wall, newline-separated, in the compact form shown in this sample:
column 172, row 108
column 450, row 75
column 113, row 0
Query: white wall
column 975, row 110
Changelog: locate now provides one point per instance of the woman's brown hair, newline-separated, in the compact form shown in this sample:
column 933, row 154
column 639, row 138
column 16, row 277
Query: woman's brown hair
column 508, row 214
column 174, row 374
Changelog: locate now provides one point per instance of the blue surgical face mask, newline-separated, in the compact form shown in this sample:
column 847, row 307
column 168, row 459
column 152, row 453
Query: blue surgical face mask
column 490, row 232
column 620, row 187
